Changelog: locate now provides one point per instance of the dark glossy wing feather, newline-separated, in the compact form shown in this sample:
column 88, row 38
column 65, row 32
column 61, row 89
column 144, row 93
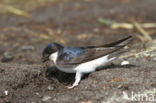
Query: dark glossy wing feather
column 111, row 44
column 72, row 58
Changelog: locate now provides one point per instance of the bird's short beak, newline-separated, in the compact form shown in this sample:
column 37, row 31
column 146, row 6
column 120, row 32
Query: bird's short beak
column 44, row 59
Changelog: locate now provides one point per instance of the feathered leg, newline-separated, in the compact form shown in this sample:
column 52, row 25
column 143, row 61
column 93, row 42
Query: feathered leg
column 77, row 80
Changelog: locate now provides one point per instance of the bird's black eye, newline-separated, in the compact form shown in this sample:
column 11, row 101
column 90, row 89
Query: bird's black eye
column 48, row 50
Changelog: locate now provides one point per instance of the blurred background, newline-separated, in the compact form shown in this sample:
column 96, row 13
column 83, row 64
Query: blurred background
column 27, row 26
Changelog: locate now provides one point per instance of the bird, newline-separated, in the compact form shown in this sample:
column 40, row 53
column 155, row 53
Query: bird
column 82, row 60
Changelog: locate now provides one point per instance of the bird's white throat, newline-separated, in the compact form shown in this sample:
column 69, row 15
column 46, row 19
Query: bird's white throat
column 53, row 57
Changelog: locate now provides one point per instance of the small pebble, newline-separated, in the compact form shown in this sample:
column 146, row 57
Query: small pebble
column 125, row 63
column 37, row 93
column 119, row 86
column 7, row 57
column 27, row 47
column 54, row 99
column 6, row 92
column 50, row 87
column 46, row 98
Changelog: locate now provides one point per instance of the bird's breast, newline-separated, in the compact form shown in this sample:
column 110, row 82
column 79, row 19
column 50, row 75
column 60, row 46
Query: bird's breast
column 66, row 70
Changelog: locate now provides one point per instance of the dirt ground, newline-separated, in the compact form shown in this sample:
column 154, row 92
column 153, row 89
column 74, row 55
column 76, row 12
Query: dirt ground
column 24, row 79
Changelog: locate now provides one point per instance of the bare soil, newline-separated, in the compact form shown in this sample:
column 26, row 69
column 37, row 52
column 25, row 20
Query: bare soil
column 24, row 79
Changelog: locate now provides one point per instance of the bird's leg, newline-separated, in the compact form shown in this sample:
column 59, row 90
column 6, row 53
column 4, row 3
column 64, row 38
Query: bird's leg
column 77, row 80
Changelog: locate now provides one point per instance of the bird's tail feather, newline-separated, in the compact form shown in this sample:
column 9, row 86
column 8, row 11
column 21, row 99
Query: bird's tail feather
column 119, row 43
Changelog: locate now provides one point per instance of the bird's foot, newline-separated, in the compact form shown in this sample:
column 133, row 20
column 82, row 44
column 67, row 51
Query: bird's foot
column 73, row 86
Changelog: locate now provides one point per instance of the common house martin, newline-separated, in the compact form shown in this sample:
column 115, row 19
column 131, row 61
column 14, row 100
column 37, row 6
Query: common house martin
column 82, row 60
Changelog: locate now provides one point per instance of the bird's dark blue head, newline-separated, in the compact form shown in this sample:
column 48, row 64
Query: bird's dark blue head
column 50, row 49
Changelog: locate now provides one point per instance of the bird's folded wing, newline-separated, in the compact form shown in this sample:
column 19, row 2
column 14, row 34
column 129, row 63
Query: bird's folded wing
column 88, row 55
column 92, row 53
